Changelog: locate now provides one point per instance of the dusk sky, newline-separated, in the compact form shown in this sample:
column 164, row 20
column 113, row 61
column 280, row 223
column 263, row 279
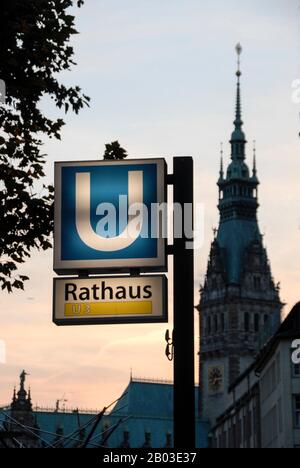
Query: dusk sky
column 161, row 77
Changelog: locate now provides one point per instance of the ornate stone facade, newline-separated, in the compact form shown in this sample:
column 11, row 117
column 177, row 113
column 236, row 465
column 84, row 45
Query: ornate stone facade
column 239, row 298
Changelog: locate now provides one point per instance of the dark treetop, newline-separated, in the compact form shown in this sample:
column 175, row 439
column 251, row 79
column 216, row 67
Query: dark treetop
column 34, row 47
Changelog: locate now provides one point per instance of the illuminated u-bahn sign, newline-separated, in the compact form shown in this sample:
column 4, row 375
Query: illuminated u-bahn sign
column 108, row 216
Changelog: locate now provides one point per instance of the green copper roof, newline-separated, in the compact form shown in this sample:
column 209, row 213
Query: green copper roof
column 234, row 237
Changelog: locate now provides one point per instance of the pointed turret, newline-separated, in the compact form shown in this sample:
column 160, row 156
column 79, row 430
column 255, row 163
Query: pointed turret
column 254, row 159
column 22, row 415
column 221, row 164
column 238, row 139
column 22, row 400
column 238, row 202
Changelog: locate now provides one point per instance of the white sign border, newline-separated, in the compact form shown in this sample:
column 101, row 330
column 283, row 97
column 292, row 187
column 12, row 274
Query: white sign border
column 65, row 267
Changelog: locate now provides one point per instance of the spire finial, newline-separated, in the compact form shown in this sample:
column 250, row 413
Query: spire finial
column 222, row 162
column 239, row 51
column 238, row 139
column 238, row 115
column 254, row 158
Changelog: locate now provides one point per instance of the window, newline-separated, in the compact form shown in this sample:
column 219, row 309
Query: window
column 234, row 436
column 239, row 434
column 245, row 433
column 231, row 438
column 266, row 319
column 256, row 323
column 297, row 411
column 247, row 322
column 208, row 325
column 257, row 283
column 249, row 424
column 256, row 419
column 216, row 323
column 223, row 322
column 224, row 439
column 168, row 440
column 296, row 370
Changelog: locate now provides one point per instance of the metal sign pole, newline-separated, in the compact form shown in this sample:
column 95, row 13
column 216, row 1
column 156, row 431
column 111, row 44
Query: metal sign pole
column 184, row 367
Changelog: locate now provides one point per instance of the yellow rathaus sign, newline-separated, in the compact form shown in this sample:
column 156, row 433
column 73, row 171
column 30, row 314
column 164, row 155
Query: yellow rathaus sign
column 113, row 299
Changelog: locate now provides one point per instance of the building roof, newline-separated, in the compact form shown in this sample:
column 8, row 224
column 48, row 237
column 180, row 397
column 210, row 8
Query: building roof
column 145, row 407
column 289, row 329
column 234, row 237
column 142, row 396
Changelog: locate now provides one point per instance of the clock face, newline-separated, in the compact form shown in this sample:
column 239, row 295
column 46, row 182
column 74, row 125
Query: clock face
column 215, row 379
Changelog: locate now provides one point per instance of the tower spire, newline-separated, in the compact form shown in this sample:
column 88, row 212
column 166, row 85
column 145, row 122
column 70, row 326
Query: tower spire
column 254, row 159
column 237, row 186
column 238, row 139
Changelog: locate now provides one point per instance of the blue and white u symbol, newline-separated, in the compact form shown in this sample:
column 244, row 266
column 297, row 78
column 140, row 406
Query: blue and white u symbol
column 83, row 218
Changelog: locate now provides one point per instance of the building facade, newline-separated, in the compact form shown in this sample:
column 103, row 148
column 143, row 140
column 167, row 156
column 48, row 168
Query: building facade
column 239, row 298
column 264, row 402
